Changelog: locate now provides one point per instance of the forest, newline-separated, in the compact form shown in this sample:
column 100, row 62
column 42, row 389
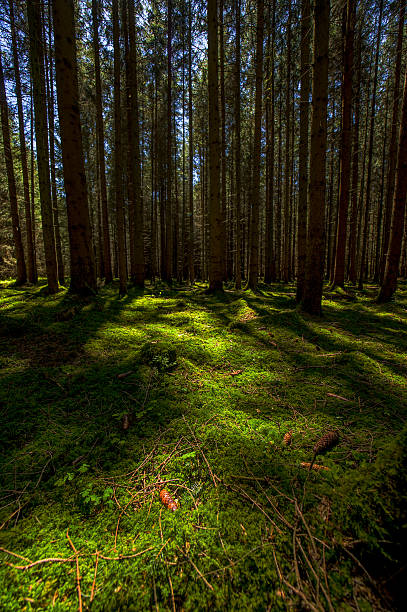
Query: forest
column 203, row 305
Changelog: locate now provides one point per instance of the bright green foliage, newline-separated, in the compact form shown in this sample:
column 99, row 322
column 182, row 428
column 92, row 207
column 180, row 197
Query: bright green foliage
column 213, row 383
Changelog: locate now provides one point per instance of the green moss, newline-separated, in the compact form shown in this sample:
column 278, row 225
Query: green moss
column 213, row 383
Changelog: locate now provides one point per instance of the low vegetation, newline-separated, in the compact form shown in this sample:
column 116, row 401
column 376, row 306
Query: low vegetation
column 108, row 401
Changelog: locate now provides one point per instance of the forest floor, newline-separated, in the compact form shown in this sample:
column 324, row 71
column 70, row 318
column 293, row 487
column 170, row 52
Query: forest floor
column 106, row 402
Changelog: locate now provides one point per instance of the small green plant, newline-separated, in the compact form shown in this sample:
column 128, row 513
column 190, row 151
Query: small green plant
column 93, row 499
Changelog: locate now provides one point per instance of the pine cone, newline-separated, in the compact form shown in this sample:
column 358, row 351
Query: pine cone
column 288, row 438
column 167, row 500
column 328, row 441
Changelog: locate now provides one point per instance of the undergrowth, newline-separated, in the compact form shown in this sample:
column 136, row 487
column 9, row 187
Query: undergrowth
column 106, row 402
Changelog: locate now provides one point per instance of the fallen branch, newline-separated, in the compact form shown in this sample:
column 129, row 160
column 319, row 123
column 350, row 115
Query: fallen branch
column 78, row 577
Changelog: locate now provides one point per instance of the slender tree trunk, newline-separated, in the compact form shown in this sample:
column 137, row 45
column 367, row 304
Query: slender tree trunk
column 355, row 174
column 269, row 254
column 100, row 143
column 238, row 233
column 399, row 208
column 168, row 207
column 83, row 273
column 15, row 219
column 49, row 78
column 392, row 155
column 137, row 269
column 191, row 267
column 118, row 155
column 362, row 268
column 303, row 146
column 346, row 143
column 254, row 226
column 216, row 247
column 31, row 261
column 41, row 138
column 314, row 268
column 223, row 132
column 287, row 174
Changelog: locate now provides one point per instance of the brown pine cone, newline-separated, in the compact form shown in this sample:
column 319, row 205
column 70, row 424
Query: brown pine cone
column 326, row 442
column 288, row 438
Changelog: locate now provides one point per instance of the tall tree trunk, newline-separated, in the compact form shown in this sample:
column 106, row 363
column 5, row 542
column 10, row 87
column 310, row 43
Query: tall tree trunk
column 41, row 138
column 83, row 272
column 303, row 147
column 31, row 260
column 137, row 268
column 362, row 267
column 100, row 143
column 392, row 156
column 287, row 174
column 346, row 143
column 11, row 181
column 238, row 230
column 118, row 155
column 191, row 267
column 269, row 255
column 254, row 226
column 314, row 268
column 168, row 205
column 216, row 247
column 223, row 132
column 355, row 173
column 49, row 79
column 399, row 207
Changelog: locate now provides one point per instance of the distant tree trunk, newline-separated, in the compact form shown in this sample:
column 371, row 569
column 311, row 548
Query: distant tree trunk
column 346, row 143
column 362, row 268
column 238, row 235
column 191, row 267
column 216, row 248
column 100, row 143
column 41, row 138
column 392, row 155
column 49, row 78
column 287, row 174
column 83, row 272
column 303, row 147
column 223, row 132
column 355, row 174
column 168, row 268
column 31, row 260
column 15, row 219
column 314, row 268
column 253, row 274
column 269, row 254
column 137, row 269
column 118, row 155
column 399, row 208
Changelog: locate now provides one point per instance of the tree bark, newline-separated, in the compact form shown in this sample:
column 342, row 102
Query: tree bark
column 238, row 232
column 362, row 267
column 137, row 267
column 393, row 139
column 346, row 144
column 83, row 272
column 11, row 182
column 255, row 192
column 315, row 262
column 32, row 275
column 191, row 267
column 41, row 138
column 398, row 213
column 100, row 143
column 118, row 155
column 216, row 247
column 303, row 147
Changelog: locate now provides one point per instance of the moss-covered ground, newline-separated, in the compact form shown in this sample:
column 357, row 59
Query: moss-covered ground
column 210, row 386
